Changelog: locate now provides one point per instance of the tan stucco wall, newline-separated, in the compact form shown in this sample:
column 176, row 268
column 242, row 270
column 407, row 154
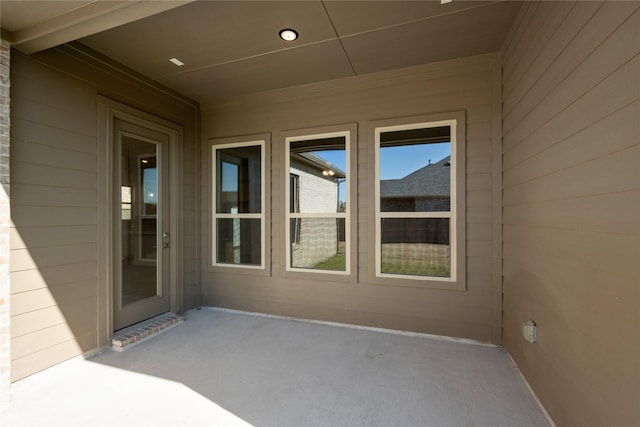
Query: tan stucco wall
column 571, row 207
column 471, row 85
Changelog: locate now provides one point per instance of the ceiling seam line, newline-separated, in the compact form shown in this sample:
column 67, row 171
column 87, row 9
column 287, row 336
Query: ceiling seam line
column 346, row 55
column 245, row 58
column 415, row 21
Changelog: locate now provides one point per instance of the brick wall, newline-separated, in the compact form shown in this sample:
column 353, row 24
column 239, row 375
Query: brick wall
column 5, row 337
column 318, row 238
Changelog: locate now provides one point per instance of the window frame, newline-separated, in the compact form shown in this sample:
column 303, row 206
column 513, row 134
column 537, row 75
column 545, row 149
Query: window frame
column 456, row 214
column 295, row 200
column 349, row 132
column 261, row 141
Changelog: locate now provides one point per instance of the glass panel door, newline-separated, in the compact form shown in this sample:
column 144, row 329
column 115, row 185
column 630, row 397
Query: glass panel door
column 139, row 221
column 141, row 236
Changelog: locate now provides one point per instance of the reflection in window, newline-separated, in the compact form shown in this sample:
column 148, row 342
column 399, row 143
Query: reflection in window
column 416, row 246
column 294, row 206
column 149, row 206
column 414, row 201
column 149, row 185
column 238, row 213
column 321, row 244
column 125, row 198
column 236, row 238
column 317, row 214
column 415, row 178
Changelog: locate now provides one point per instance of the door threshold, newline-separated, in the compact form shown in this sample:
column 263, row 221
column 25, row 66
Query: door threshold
column 135, row 334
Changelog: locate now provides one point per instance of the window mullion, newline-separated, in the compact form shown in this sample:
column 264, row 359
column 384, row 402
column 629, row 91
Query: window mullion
column 415, row 215
column 239, row 215
column 317, row 215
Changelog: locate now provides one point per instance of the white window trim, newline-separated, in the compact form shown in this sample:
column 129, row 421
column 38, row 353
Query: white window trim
column 337, row 215
column 451, row 214
column 215, row 215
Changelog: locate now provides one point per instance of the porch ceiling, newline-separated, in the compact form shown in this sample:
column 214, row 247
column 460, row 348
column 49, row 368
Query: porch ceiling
column 232, row 48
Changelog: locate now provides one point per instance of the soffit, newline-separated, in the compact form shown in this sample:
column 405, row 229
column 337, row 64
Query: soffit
column 354, row 17
column 449, row 36
column 232, row 47
column 293, row 67
column 18, row 15
column 35, row 25
column 211, row 33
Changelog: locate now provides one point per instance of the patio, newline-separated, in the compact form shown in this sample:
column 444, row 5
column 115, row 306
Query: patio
column 229, row 368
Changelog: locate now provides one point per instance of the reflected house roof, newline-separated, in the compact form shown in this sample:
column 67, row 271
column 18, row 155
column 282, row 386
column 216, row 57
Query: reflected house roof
column 433, row 180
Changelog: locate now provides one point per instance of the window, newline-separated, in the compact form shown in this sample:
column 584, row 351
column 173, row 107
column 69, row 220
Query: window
column 125, row 196
column 238, row 213
column 416, row 202
column 317, row 217
column 294, row 197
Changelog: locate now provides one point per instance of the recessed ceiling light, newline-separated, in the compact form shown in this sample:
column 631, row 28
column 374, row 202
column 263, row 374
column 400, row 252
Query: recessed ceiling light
column 288, row 34
column 445, row 1
column 177, row 62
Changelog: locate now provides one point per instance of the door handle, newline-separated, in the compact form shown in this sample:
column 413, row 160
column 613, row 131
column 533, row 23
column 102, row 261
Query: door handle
column 166, row 245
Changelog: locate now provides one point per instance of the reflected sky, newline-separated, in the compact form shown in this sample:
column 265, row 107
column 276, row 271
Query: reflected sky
column 399, row 161
column 337, row 158
column 150, row 185
column 396, row 162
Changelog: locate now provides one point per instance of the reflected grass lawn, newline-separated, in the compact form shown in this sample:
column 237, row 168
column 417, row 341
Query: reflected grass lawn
column 337, row 262
column 415, row 269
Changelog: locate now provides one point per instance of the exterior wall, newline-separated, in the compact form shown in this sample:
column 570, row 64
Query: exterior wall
column 318, row 237
column 317, row 194
column 318, row 242
column 571, row 207
column 5, row 222
column 472, row 85
column 54, row 157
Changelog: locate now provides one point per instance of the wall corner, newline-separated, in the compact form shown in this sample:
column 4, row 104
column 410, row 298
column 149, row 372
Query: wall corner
column 5, row 224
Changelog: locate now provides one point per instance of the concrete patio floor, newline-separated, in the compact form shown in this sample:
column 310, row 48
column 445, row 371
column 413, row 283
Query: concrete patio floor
column 222, row 368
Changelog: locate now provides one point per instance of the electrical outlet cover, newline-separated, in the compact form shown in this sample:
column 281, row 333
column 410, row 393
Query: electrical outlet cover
column 529, row 331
